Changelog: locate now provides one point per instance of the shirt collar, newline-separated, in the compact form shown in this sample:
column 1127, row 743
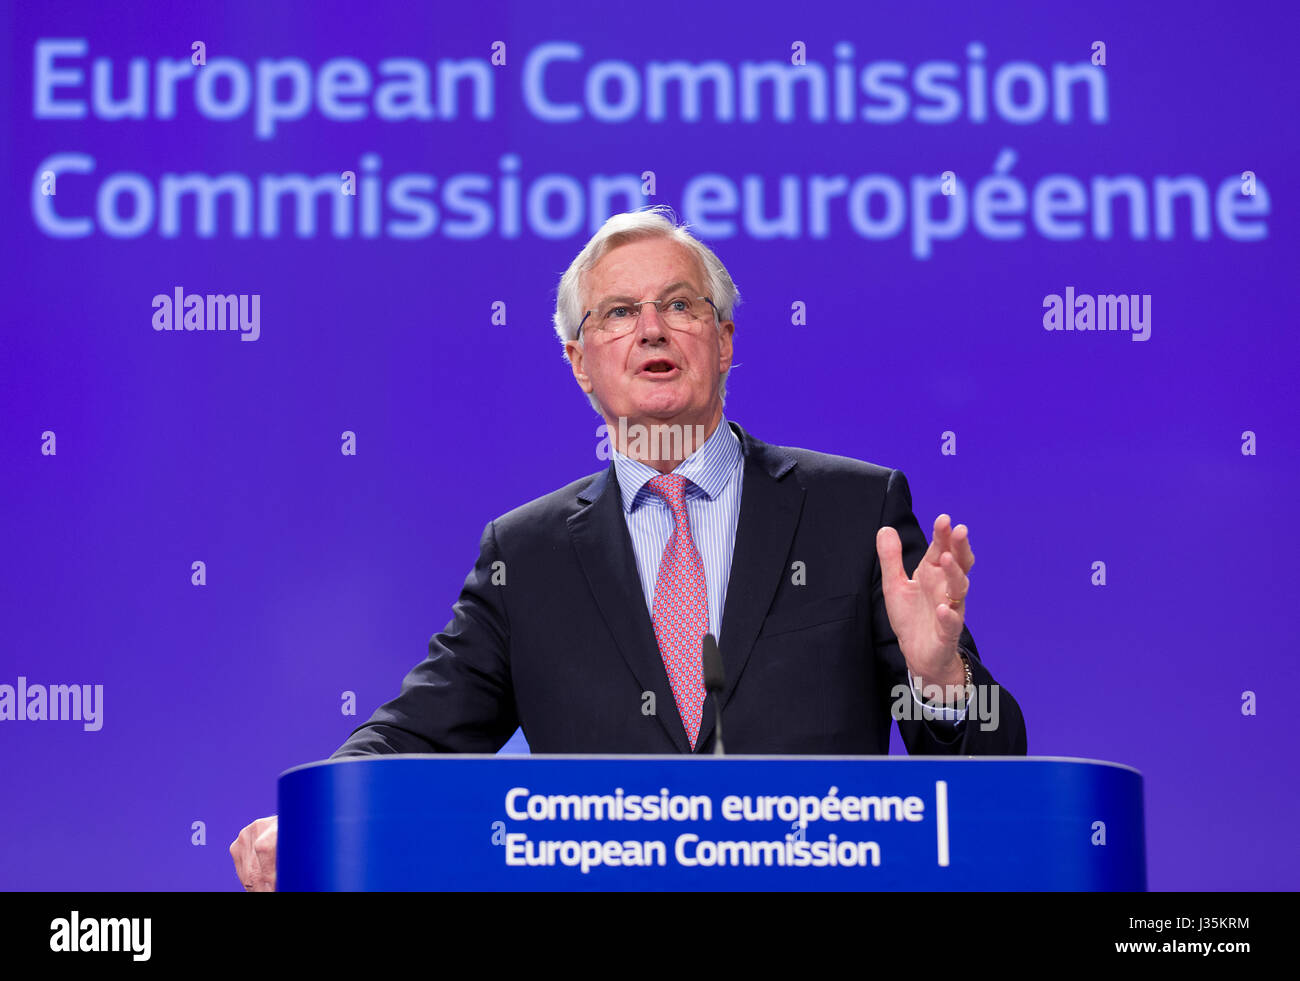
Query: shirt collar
column 709, row 468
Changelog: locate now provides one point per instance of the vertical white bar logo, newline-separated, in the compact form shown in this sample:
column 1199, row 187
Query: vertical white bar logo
column 941, row 819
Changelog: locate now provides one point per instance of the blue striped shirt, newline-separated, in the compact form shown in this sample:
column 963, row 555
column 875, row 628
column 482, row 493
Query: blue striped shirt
column 712, row 504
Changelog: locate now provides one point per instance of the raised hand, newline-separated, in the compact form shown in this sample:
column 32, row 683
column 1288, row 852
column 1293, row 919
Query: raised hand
column 927, row 611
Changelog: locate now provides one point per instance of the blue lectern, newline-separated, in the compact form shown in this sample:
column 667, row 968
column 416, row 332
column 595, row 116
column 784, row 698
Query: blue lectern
column 724, row 823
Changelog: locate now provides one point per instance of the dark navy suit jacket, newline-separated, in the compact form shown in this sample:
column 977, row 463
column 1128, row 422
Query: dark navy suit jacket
column 551, row 631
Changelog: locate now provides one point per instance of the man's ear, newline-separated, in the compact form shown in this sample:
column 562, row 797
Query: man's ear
column 726, row 330
column 574, row 350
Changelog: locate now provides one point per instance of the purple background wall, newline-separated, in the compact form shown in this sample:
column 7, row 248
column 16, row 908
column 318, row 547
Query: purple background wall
column 328, row 573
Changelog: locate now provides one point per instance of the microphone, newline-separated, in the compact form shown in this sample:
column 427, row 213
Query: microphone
column 714, row 682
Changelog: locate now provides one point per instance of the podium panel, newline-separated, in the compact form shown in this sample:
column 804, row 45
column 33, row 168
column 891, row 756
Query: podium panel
column 401, row 823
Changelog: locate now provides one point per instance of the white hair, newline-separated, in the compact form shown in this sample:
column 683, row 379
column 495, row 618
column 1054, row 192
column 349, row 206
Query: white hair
column 633, row 226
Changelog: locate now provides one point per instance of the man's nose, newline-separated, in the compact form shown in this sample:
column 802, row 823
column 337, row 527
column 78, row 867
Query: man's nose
column 649, row 325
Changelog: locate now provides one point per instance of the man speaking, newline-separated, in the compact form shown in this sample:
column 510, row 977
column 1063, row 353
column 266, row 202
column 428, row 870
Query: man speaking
column 583, row 619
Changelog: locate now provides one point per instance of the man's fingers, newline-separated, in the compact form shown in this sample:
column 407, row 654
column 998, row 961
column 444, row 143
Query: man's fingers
column 961, row 549
column 956, row 582
column 264, row 849
column 239, row 851
column 252, row 867
column 890, row 550
column 948, row 538
column 254, row 854
column 954, row 542
column 939, row 541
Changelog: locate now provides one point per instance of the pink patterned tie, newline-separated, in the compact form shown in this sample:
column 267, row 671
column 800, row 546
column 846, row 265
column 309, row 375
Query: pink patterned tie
column 681, row 607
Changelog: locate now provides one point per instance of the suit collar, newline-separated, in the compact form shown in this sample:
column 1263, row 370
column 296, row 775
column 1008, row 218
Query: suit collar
column 709, row 468
column 770, row 506
column 772, row 460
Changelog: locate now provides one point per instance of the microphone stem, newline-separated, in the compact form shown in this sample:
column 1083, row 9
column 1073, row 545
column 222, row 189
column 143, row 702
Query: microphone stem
column 717, row 725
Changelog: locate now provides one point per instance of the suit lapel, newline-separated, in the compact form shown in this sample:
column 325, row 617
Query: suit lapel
column 769, row 514
column 604, row 548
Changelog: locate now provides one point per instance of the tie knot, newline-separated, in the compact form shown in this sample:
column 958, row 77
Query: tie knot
column 671, row 487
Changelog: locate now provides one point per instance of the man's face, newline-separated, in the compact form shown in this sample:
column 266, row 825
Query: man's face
column 654, row 374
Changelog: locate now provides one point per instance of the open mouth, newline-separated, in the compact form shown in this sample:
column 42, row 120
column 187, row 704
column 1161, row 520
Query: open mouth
column 660, row 366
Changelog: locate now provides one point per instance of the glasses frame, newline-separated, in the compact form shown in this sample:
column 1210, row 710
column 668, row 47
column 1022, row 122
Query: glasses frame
column 640, row 303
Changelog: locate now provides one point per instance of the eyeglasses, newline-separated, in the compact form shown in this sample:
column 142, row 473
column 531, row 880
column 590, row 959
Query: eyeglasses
column 619, row 317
